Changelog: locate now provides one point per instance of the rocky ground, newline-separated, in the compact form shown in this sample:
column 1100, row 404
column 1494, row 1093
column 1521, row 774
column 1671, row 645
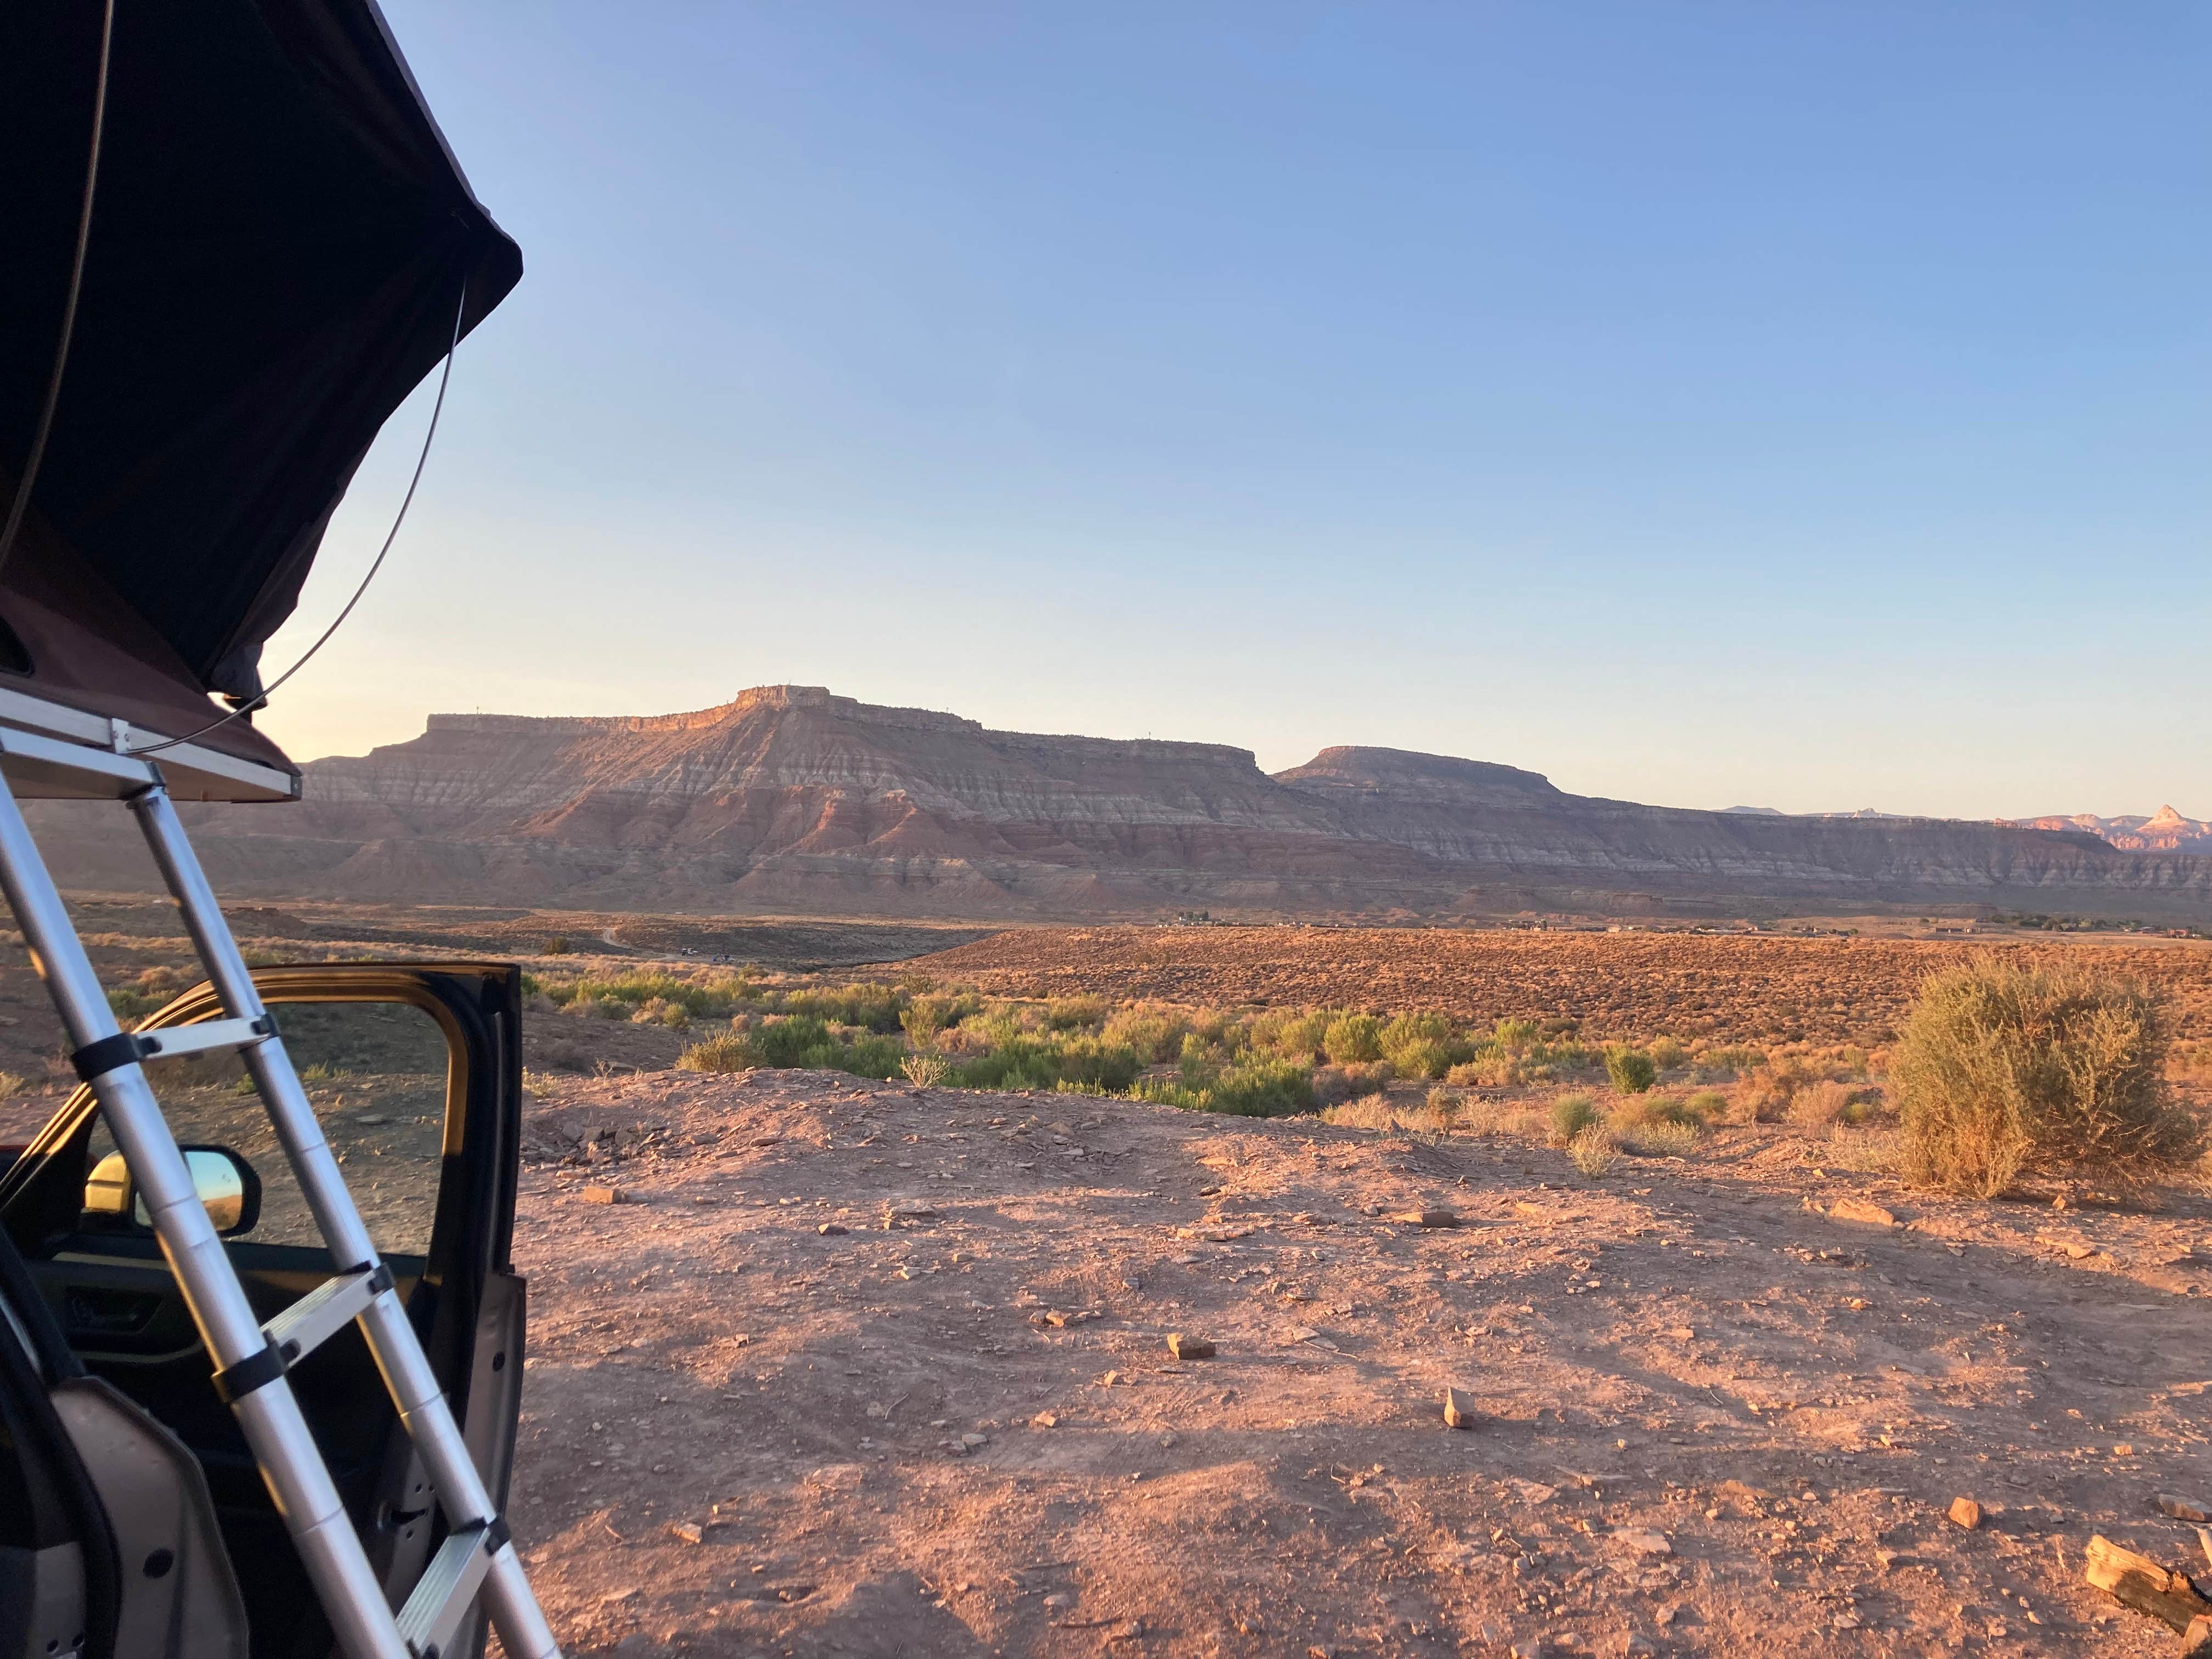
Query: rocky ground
column 856, row 1369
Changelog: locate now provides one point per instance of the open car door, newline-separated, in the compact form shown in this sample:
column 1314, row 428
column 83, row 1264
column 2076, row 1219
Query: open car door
column 414, row 1072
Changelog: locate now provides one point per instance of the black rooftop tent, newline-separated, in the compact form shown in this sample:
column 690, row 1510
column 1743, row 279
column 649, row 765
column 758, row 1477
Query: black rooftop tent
column 280, row 242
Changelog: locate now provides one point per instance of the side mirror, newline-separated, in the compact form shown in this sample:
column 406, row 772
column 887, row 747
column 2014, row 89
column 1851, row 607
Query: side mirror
column 225, row 1182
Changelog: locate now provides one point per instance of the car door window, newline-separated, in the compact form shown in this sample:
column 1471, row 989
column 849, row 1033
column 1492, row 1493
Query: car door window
column 378, row 1075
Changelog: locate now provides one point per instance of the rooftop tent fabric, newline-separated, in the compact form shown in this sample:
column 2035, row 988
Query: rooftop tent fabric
column 280, row 242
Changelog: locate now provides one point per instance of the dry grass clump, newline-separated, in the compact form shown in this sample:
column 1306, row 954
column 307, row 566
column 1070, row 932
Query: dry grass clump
column 1380, row 1113
column 1864, row 1151
column 1820, row 1105
column 924, row 1069
column 1659, row 1139
column 1593, row 1151
column 2002, row 1068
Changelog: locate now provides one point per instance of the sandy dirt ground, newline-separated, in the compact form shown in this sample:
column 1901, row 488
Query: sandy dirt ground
column 856, row 1369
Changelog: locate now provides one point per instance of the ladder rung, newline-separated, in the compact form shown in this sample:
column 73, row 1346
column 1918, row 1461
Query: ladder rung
column 200, row 1039
column 442, row 1599
column 326, row 1311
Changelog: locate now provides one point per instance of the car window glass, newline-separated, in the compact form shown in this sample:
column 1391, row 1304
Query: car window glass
column 375, row 1074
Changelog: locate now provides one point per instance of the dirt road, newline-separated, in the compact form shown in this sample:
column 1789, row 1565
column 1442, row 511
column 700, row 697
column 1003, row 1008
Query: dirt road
column 863, row 1370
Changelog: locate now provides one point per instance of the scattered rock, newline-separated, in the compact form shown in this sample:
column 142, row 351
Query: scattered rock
column 1058, row 1599
column 1964, row 1512
column 606, row 1196
column 972, row 1441
column 689, row 1532
column 2183, row 1508
column 1189, row 1348
column 831, row 1230
column 1459, row 1410
column 629, row 1592
column 1427, row 1218
column 1859, row 1209
column 1045, row 1420
column 1642, row 1541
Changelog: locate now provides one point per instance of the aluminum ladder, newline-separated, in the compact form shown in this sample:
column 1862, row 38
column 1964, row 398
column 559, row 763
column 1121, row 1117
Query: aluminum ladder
column 477, row 1561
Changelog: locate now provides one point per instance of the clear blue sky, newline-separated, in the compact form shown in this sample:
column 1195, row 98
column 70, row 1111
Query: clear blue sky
column 1798, row 404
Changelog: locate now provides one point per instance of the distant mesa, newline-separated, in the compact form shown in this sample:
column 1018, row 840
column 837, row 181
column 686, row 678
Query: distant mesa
column 793, row 800
column 2164, row 831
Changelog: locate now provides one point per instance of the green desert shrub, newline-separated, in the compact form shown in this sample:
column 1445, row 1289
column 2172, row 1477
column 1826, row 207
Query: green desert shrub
column 1353, row 1039
column 1255, row 1086
column 1075, row 1014
column 875, row 1007
column 1154, row 1033
column 1631, row 1070
column 2002, row 1068
column 1570, row 1116
column 1418, row 1045
column 1706, row 1105
column 1668, row 1053
column 1295, row 1035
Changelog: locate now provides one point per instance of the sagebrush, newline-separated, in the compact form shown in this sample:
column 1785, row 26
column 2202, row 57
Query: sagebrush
column 2003, row 1068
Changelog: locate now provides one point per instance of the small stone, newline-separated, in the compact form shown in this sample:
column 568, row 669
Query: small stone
column 1859, row 1209
column 1964, row 1512
column 2123, row 1449
column 689, row 1532
column 627, row 1593
column 1058, row 1600
column 2077, row 1251
column 972, row 1441
column 1459, row 1410
column 1045, row 1420
column 1642, row 1541
column 831, row 1229
column 1427, row 1218
column 1666, row 1615
column 2183, row 1508
column 1534, row 1647
column 1189, row 1348
column 606, row 1196
column 1640, row 1647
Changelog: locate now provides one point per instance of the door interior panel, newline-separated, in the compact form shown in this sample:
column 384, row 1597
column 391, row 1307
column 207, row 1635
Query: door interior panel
column 414, row 1075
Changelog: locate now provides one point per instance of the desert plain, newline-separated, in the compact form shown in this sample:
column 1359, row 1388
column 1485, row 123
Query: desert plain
column 825, row 1364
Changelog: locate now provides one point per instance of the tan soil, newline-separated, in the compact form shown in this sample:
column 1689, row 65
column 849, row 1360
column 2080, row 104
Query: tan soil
column 1629, row 985
column 1685, row 1349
